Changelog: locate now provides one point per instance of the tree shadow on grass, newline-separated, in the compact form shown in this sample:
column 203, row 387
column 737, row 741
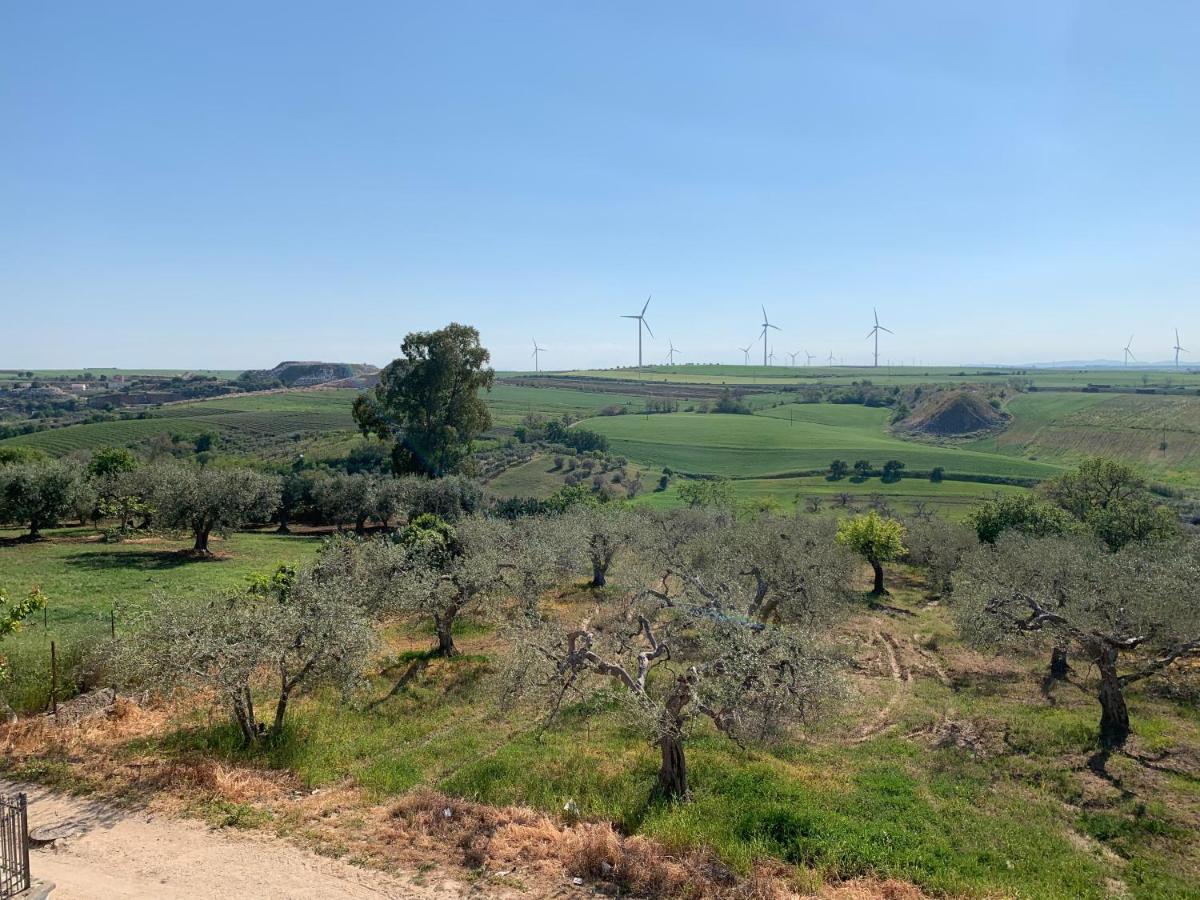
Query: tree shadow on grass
column 142, row 560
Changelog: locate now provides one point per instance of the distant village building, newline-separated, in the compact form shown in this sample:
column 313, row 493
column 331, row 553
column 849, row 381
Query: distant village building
column 79, row 387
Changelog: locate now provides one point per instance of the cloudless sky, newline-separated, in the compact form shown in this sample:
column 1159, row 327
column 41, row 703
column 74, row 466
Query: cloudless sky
column 212, row 184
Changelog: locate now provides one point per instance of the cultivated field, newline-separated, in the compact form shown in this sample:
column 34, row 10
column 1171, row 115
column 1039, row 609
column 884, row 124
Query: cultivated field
column 757, row 445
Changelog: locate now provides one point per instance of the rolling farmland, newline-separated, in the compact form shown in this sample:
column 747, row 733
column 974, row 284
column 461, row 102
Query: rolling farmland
column 758, row 445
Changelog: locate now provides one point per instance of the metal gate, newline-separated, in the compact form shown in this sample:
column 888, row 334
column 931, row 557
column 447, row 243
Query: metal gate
column 14, row 846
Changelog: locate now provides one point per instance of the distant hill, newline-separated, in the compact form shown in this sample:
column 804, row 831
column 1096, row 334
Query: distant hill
column 953, row 414
column 306, row 373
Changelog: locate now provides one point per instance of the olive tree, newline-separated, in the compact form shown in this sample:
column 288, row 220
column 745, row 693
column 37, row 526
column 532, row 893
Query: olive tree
column 600, row 532
column 875, row 538
column 39, row 494
column 676, row 657
column 1131, row 614
column 342, row 498
column 291, row 632
column 767, row 566
column 444, row 572
column 209, row 500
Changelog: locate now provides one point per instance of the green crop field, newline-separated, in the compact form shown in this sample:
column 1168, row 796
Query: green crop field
column 740, row 445
column 510, row 403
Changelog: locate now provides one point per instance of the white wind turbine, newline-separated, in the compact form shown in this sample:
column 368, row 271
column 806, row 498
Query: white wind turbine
column 771, row 357
column 536, row 351
column 641, row 320
column 793, row 356
column 1177, row 348
column 671, row 353
column 1129, row 353
column 808, row 358
column 766, row 323
column 746, row 355
column 831, row 357
column 875, row 332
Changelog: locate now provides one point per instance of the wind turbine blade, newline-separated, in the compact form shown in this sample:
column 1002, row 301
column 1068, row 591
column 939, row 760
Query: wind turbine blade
column 888, row 330
column 876, row 314
column 647, row 304
column 647, row 324
column 764, row 309
column 630, row 317
column 776, row 327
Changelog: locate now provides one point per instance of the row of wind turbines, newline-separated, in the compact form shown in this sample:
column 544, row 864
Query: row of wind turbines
column 769, row 354
column 1129, row 352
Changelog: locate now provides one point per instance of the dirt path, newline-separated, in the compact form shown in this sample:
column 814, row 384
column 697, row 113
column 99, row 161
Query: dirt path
column 124, row 854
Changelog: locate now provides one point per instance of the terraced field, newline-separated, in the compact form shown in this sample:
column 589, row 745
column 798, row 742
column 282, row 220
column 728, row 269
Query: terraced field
column 758, row 445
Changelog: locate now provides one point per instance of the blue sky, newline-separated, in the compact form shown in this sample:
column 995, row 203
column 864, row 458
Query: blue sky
column 227, row 184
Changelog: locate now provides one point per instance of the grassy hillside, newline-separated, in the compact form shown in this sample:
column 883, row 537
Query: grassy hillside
column 1064, row 428
column 740, row 445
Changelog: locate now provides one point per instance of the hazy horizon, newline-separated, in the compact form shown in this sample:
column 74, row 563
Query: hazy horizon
column 222, row 186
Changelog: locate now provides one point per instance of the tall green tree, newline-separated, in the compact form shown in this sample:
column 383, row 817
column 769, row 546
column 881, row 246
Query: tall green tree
column 427, row 402
column 876, row 539
column 1114, row 501
column 38, row 494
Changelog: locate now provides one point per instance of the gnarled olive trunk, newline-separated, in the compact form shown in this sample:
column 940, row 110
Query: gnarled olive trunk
column 243, row 714
column 672, row 775
column 1114, row 714
column 599, row 574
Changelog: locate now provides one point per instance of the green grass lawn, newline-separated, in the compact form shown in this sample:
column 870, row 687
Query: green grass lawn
column 86, row 580
column 747, row 446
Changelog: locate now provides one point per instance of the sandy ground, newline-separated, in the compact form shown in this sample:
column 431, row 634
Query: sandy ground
column 123, row 854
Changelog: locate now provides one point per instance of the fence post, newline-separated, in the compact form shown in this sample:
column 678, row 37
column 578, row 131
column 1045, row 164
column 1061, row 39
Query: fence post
column 53, row 679
column 24, row 838
column 112, row 622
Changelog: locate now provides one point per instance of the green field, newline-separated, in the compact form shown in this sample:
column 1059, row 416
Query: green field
column 757, row 445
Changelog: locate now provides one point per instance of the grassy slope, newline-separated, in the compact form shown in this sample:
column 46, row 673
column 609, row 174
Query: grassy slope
column 1065, row 428
column 765, row 445
column 866, row 792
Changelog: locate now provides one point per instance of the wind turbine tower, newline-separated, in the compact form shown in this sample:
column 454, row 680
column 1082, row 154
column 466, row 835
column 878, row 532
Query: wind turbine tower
column 1177, row 348
column 831, row 357
column 793, row 356
column 808, row 358
column 766, row 323
column 1129, row 353
column 671, row 353
column 642, row 323
column 536, row 351
column 874, row 332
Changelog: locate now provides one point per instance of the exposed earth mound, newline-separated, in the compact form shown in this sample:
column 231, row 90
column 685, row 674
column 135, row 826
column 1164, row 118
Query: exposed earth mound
column 954, row 414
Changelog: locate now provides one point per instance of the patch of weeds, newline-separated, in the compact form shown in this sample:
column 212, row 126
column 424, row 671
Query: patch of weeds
column 226, row 814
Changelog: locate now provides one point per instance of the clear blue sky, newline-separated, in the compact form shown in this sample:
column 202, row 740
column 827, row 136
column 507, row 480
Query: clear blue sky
column 212, row 184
